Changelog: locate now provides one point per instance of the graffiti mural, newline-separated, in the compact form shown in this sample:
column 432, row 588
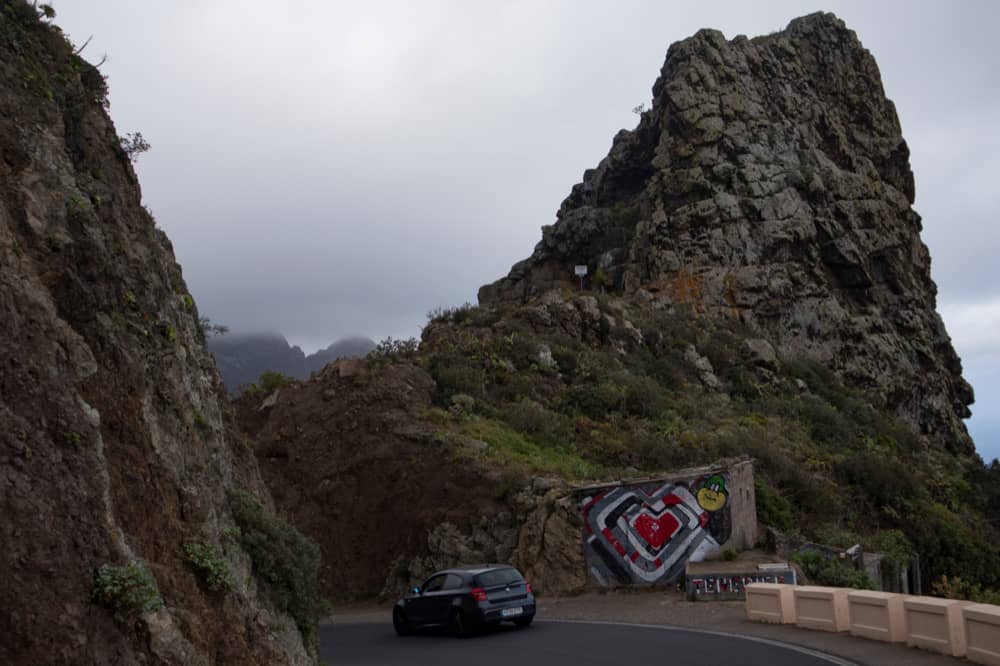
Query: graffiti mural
column 644, row 534
column 731, row 586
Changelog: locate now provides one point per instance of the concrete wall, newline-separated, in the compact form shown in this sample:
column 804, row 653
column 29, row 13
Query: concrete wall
column 822, row 608
column 644, row 532
column 935, row 624
column 948, row 626
column 877, row 615
column 982, row 633
column 770, row 602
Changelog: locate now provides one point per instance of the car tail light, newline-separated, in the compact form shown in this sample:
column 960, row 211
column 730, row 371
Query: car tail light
column 479, row 594
column 527, row 587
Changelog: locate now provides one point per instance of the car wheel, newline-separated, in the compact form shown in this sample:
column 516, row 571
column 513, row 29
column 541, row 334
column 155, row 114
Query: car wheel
column 400, row 623
column 523, row 622
column 457, row 626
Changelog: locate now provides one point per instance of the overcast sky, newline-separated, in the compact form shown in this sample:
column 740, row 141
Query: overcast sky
column 326, row 168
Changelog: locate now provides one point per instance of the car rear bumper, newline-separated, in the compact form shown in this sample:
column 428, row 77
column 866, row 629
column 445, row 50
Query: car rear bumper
column 496, row 613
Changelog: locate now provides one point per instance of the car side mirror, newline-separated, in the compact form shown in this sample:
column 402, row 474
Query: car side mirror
column 415, row 590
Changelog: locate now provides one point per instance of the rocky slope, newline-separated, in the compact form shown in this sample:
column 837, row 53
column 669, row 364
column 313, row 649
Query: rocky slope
column 241, row 358
column 770, row 183
column 117, row 460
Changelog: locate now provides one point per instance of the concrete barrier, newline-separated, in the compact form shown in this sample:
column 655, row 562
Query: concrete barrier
column 770, row 602
column 935, row 624
column 822, row 608
column 877, row 615
column 981, row 623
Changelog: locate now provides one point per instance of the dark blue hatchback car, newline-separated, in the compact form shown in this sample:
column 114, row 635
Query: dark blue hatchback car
column 466, row 599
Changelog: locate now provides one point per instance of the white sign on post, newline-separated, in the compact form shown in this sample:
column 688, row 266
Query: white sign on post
column 581, row 271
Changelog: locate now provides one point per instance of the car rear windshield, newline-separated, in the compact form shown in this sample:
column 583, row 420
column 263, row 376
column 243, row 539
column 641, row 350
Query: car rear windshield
column 499, row 577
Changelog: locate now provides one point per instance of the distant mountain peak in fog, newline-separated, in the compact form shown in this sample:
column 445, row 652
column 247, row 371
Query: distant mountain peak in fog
column 242, row 357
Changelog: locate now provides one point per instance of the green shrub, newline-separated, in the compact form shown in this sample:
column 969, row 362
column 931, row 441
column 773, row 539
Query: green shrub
column 212, row 570
column 128, row 591
column 454, row 315
column 566, row 360
column 527, row 416
column 772, row 509
column 462, row 405
column 655, row 446
column 594, row 401
column 394, row 350
column 722, row 350
column 950, row 545
column 621, row 215
column 666, row 369
column 957, row 588
column 885, row 481
column 832, row 571
column 286, row 561
column 455, row 374
column 268, row 382
column 894, row 545
column 643, row 396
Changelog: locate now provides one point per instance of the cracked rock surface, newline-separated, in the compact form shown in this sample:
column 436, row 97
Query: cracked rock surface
column 770, row 182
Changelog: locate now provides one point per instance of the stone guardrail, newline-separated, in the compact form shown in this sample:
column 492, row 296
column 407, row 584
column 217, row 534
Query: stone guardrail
column 948, row 626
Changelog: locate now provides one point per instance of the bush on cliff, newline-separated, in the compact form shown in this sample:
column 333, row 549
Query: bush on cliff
column 209, row 565
column 283, row 558
column 129, row 591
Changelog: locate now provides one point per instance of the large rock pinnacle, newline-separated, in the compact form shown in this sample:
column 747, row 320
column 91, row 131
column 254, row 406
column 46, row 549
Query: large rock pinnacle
column 770, row 182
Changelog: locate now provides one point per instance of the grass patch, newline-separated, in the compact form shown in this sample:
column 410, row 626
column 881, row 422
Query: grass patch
column 515, row 449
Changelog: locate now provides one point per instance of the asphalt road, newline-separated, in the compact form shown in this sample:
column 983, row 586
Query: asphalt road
column 558, row 643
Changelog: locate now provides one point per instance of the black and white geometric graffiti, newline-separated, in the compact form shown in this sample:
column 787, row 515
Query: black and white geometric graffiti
column 644, row 534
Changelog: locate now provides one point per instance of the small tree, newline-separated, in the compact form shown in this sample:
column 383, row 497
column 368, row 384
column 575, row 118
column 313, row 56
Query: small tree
column 134, row 145
column 45, row 11
column 210, row 329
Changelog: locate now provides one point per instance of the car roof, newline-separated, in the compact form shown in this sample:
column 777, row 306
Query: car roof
column 475, row 569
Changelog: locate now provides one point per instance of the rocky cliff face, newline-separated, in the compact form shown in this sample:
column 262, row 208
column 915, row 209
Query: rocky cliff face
column 114, row 446
column 770, row 183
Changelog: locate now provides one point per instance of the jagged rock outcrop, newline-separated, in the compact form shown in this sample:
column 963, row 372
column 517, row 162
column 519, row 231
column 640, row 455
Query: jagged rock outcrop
column 770, row 182
column 115, row 448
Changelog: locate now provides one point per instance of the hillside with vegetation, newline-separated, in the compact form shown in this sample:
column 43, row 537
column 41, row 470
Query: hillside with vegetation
column 576, row 387
column 755, row 285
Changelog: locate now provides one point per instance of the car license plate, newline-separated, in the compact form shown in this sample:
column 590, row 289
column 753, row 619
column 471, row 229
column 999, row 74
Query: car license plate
column 509, row 612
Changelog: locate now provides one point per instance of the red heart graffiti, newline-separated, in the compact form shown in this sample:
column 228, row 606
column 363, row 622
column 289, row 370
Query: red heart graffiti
column 656, row 531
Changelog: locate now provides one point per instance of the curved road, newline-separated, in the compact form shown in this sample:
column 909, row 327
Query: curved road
column 559, row 643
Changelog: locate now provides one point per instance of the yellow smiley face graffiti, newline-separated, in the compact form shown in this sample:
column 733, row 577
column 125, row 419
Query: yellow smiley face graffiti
column 712, row 496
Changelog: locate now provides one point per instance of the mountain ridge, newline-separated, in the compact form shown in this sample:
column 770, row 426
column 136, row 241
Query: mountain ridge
column 243, row 357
